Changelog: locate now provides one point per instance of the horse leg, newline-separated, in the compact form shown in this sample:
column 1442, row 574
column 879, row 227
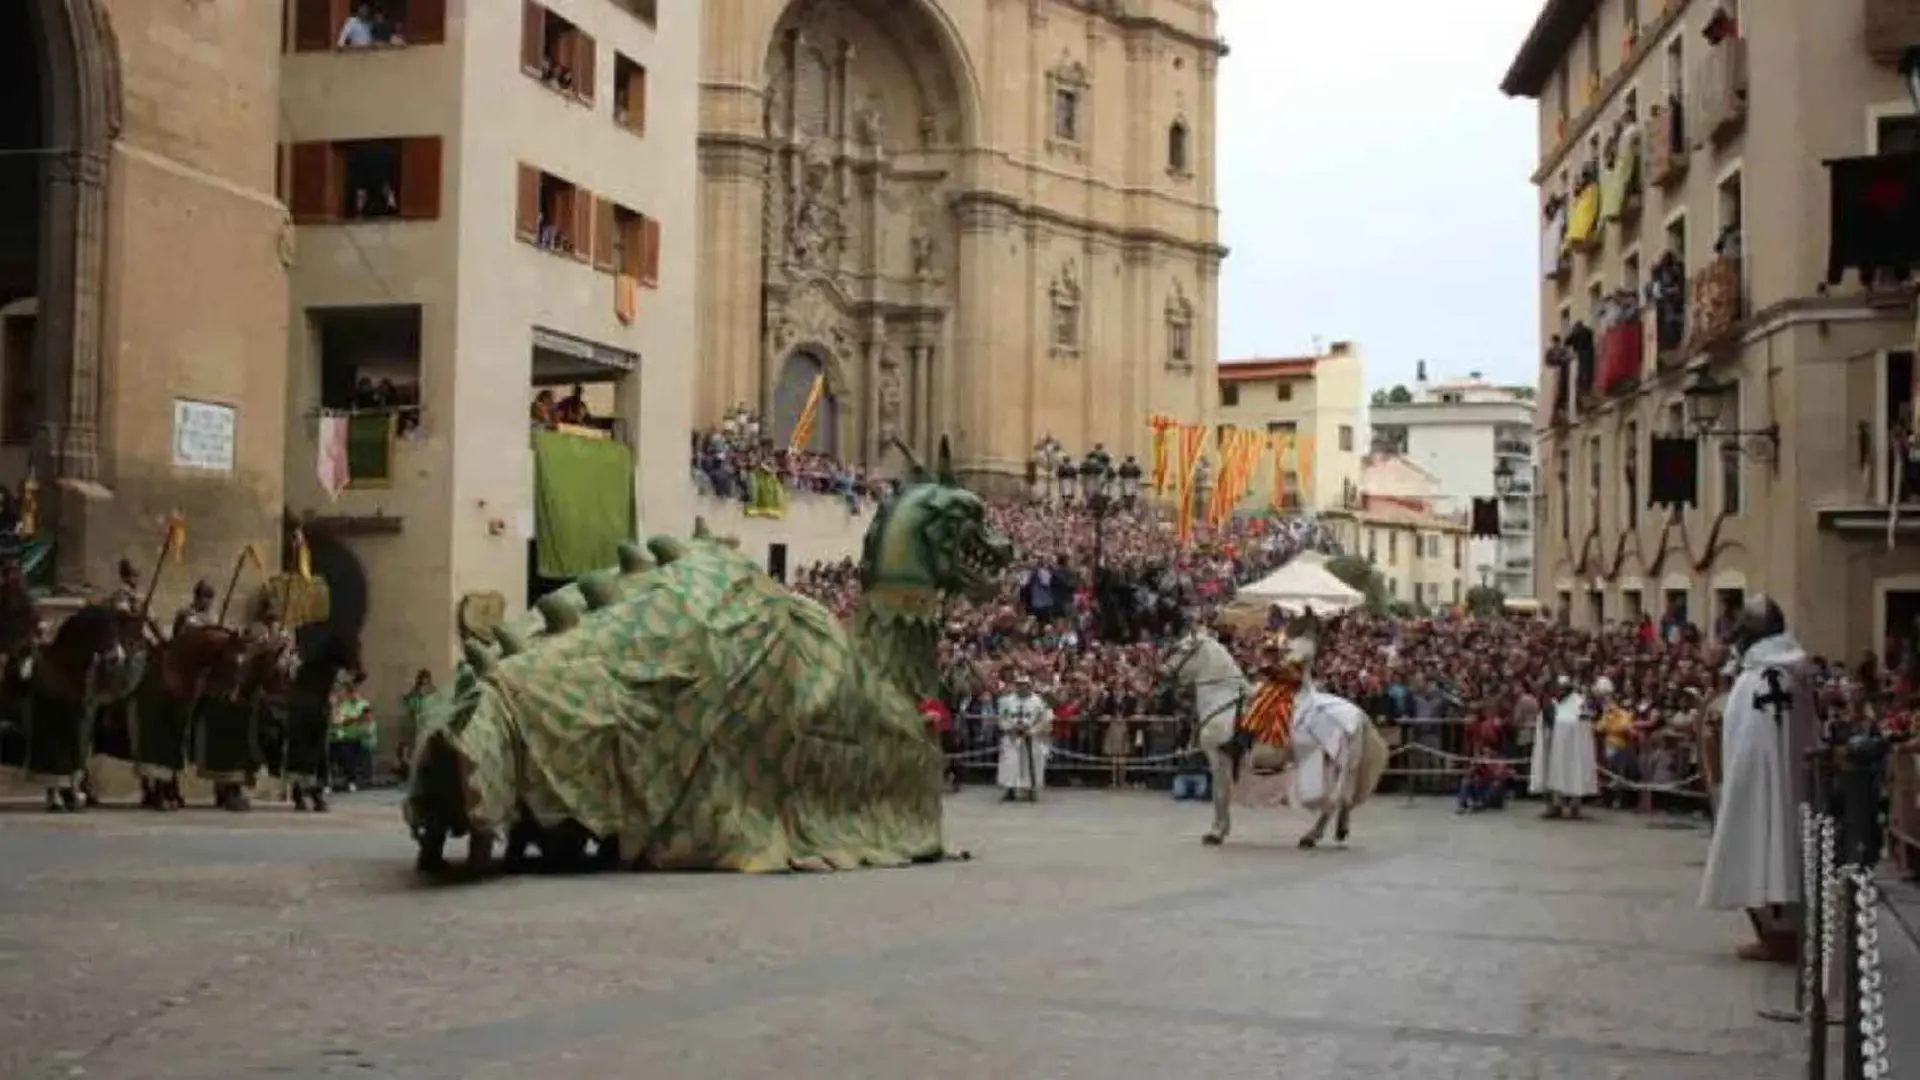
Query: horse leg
column 1340, row 824
column 480, row 849
column 1222, row 783
column 317, row 797
column 433, row 849
column 1312, row 839
column 237, row 800
column 53, row 801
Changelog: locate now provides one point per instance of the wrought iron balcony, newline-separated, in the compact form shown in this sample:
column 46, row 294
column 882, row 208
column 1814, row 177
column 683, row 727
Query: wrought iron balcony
column 1720, row 91
column 1893, row 27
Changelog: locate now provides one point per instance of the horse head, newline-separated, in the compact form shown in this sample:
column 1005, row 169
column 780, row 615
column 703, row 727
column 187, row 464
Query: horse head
column 90, row 649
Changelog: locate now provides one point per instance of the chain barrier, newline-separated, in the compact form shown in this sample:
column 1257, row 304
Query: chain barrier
column 1870, row 1022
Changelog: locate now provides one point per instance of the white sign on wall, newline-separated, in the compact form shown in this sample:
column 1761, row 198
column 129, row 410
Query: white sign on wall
column 203, row 435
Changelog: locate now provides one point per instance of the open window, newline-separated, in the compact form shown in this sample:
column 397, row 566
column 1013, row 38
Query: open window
column 369, row 380
column 629, row 94
column 626, row 242
column 556, row 52
column 554, row 214
column 1177, row 147
column 363, row 180
column 323, row 25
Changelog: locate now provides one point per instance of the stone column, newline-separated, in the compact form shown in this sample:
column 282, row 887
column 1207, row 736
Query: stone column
column 67, row 353
column 920, row 409
column 964, row 395
column 734, row 171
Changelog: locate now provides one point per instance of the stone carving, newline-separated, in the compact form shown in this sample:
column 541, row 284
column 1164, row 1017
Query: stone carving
column 1065, row 293
column 816, row 233
column 892, row 394
column 929, row 131
column 871, row 124
column 776, row 125
column 921, row 247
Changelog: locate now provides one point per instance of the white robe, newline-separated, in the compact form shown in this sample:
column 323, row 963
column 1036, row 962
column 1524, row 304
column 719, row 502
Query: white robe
column 1328, row 743
column 1563, row 756
column 1024, row 718
column 1754, row 860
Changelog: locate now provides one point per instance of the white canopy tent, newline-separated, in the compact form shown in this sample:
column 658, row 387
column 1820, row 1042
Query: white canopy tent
column 1301, row 583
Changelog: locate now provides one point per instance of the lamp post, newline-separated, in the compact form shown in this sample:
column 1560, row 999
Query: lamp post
column 1706, row 401
column 1097, row 477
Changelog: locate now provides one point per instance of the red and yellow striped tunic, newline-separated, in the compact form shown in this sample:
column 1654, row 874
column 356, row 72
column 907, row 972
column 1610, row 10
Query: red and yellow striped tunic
column 1269, row 716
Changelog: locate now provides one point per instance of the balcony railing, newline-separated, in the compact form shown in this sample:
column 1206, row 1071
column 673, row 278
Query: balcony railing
column 1668, row 151
column 1720, row 88
column 1717, row 306
column 1513, row 448
column 1893, row 27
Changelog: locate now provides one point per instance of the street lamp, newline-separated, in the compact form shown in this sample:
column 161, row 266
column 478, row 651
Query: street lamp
column 1067, row 477
column 1097, row 479
column 1706, row 401
column 1129, row 482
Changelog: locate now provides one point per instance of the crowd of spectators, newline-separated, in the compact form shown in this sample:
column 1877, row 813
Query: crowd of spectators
column 728, row 460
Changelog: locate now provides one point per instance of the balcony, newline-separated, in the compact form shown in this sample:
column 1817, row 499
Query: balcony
column 1717, row 308
column 1893, row 27
column 1720, row 91
column 1668, row 152
column 1513, row 448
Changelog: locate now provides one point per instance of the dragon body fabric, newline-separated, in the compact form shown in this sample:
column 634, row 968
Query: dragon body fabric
column 696, row 714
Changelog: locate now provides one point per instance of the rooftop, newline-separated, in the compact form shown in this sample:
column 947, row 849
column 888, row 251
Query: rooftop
column 1553, row 34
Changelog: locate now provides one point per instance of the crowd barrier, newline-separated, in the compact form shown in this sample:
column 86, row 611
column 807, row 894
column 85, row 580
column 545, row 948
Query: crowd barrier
column 1903, row 808
column 1428, row 757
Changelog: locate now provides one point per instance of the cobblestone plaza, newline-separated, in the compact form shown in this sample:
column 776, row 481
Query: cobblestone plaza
column 1091, row 935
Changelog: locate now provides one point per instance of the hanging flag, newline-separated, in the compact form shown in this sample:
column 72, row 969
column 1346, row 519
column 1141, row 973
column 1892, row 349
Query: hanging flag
column 330, row 461
column 1674, row 463
column 249, row 555
column 1303, row 469
column 1486, row 517
column 1277, row 497
column 302, row 557
column 1163, row 427
column 1192, row 451
column 803, row 427
column 177, row 538
column 1875, row 215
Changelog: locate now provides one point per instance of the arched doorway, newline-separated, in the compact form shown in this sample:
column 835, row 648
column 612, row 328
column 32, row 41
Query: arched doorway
column 59, row 75
column 790, row 392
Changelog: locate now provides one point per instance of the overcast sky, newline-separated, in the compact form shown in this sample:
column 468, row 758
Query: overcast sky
column 1373, row 185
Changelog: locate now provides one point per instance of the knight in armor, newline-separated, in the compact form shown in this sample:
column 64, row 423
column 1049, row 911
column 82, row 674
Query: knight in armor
column 1565, row 766
column 1026, row 724
column 160, row 740
column 308, row 724
column 197, row 613
column 273, row 660
column 1769, row 724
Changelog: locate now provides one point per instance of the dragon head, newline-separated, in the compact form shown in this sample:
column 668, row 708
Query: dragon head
column 934, row 539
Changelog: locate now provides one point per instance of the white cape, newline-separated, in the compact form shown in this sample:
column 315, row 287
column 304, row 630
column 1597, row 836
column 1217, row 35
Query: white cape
column 1021, row 720
column 1327, row 748
column 1754, row 860
column 1564, row 762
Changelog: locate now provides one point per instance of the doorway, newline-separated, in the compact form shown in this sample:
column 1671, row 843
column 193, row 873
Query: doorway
column 1900, row 615
column 777, row 562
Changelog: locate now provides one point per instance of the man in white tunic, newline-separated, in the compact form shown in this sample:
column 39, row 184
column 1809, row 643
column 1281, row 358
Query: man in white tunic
column 1564, row 768
column 1769, row 725
column 1026, row 723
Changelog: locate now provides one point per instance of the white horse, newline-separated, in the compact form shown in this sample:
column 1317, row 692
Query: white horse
column 1336, row 756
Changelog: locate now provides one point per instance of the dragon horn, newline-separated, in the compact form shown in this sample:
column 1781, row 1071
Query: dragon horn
column 944, row 465
column 916, row 472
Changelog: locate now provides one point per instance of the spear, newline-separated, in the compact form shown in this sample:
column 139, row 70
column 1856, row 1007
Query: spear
column 247, row 555
column 174, row 544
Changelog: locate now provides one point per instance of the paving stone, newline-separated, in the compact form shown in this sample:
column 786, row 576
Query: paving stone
column 1091, row 936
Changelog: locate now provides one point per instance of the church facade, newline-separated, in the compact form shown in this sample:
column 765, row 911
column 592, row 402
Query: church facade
column 991, row 220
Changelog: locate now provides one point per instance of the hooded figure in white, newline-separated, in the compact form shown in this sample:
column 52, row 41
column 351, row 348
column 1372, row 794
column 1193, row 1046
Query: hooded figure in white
column 1026, row 727
column 1770, row 723
column 1565, row 767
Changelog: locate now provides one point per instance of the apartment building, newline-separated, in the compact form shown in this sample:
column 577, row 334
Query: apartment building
column 1314, row 399
column 1392, row 521
column 1685, row 223
column 1476, row 439
column 492, row 204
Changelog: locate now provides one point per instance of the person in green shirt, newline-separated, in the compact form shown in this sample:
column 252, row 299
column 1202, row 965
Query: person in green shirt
column 413, row 711
column 354, row 734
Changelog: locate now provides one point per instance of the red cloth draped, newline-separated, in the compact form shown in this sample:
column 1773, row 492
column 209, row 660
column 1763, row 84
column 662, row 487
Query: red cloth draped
column 1621, row 349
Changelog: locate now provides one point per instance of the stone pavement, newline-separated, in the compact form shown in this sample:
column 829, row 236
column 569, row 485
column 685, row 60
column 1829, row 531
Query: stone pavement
column 1091, row 936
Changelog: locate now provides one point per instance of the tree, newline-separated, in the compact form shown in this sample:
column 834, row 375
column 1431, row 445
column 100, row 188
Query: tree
column 1486, row 602
column 1399, row 395
column 1361, row 575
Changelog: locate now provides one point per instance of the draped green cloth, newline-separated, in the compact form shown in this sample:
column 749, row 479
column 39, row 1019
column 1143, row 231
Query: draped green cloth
column 583, row 502
column 1617, row 179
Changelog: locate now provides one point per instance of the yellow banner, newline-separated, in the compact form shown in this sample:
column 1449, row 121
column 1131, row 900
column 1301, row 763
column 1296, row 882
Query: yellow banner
column 1193, row 441
column 803, row 427
column 1277, row 494
column 1164, row 430
column 1303, row 466
column 177, row 538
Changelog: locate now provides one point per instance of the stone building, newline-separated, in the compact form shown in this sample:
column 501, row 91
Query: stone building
column 992, row 221
column 143, row 279
column 1685, row 215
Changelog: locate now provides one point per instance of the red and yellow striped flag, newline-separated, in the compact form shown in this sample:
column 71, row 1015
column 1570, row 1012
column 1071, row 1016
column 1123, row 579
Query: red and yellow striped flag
column 803, row 427
column 1303, row 468
column 1163, row 428
column 1277, row 495
column 1193, row 440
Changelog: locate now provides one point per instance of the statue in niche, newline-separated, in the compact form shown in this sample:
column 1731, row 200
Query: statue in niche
column 816, row 231
column 929, row 131
column 921, row 248
column 871, row 124
column 891, row 394
column 776, row 128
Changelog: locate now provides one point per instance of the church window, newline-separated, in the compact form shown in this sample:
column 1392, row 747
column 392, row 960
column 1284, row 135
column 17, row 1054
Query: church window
column 1066, row 115
column 1177, row 147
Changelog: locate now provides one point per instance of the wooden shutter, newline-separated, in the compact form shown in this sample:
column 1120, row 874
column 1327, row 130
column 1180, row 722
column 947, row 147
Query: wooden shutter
column 582, row 235
column 584, row 55
column 426, row 22
column 526, row 211
column 313, row 27
column 637, row 98
column 313, row 193
column 603, row 234
column 650, row 253
column 533, row 34
column 420, row 178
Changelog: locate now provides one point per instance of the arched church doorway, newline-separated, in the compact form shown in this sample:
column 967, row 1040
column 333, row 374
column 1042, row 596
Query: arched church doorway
column 23, row 138
column 798, row 373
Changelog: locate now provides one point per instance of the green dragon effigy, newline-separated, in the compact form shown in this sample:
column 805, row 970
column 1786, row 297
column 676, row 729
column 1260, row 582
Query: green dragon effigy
column 686, row 711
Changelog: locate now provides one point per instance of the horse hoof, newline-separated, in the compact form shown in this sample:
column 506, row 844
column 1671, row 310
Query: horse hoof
column 1308, row 843
column 1211, row 840
column 1339, row 838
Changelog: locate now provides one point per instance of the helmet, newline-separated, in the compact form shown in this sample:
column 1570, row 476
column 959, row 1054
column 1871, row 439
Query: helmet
column 202, row 591
column 1760, row 618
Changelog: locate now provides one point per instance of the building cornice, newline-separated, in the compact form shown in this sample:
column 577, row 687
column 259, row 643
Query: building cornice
column 1113, row 13
column 982, row 209
column 733, row 157
column 1553, row 34
column 1651, row 38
